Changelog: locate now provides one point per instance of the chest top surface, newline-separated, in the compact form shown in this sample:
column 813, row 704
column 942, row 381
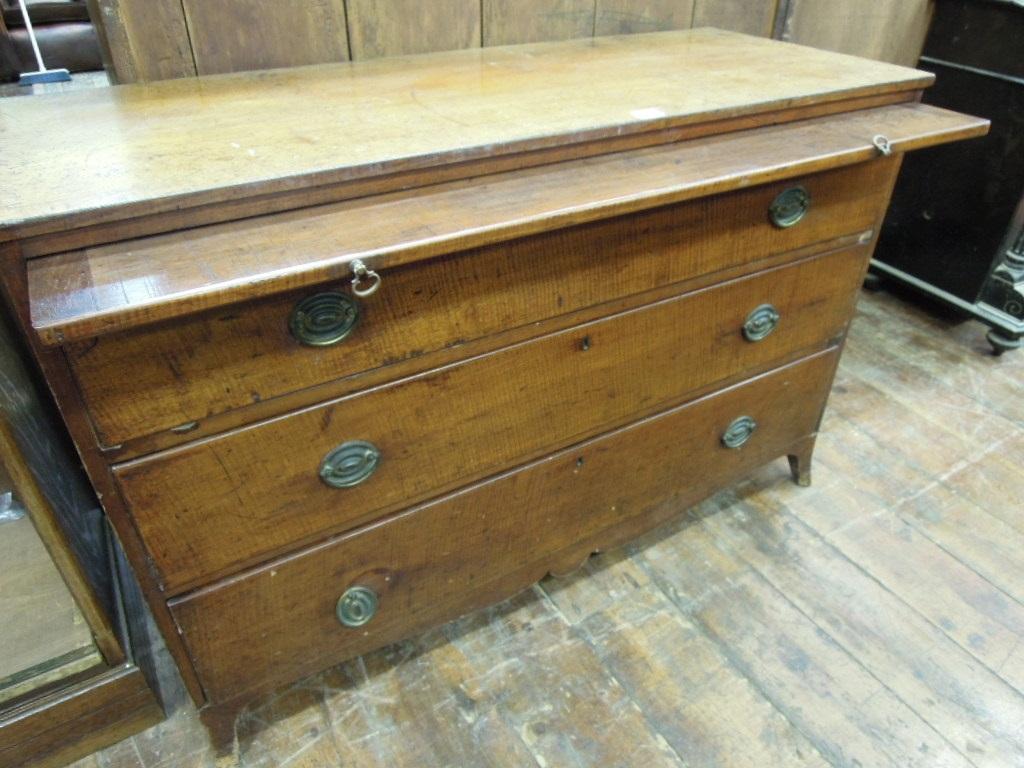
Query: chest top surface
column 175, row 144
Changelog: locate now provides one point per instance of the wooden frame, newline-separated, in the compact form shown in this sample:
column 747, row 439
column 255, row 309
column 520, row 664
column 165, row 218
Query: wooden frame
column 73, row 722
column 64, row 721
column 55, row 540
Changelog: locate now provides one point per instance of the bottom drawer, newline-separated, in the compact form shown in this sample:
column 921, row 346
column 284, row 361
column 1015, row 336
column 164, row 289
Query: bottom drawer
column 441, row 559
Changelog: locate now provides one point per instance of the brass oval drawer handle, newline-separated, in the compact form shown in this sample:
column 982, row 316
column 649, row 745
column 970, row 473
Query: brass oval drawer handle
column 349, row 464
column 356, row 606
column 737, row 433
column 324, row 319
column 761, row 322
column 789, row 207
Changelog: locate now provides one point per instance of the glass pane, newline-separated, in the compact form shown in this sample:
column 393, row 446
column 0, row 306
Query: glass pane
column 43, row 636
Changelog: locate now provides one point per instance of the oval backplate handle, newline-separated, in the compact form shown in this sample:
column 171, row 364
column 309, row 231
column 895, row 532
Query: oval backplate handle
column 324, row 319
column 350, row 464
column 739, row 432
column 760, row 323
column 356, row 606
column 789, row 207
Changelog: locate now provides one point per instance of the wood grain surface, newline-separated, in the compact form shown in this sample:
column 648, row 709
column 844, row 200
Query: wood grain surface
column 239, row 35
column 620, row 17
column 84, row 293
column 430, row 563
column 889, row 30
column 144, row 41
column 215, row 505
column 107, row 227
column 199, row 367
column 177, row 143
column 400, row 27
column 508, row 22
column 145, row 47
column 754, row 17
column 51, row 731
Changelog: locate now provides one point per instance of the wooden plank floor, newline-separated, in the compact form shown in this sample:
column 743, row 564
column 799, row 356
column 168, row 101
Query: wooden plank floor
column 875, row 619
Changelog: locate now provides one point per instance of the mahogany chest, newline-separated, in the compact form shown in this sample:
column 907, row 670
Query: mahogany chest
column 351, row 350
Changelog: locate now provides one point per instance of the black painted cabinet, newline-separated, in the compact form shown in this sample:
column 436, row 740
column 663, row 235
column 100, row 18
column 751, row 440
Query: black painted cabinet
column 955, row 229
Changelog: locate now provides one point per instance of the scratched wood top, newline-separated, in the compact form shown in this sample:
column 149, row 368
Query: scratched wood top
column 93, row 291
column 180, row 143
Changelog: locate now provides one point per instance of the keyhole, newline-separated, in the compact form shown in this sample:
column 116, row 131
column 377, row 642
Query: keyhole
column 585, row 344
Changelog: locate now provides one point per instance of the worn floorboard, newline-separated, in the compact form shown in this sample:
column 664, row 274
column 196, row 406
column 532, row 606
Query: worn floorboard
column 874, row 619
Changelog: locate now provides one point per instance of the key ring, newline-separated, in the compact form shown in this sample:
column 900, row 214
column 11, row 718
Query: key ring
column 361, row 272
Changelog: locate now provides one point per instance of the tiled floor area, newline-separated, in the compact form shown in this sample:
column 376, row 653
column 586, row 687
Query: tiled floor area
column 875, row 619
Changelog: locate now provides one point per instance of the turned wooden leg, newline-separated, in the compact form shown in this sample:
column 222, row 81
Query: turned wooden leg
column 800, row 461
column 220, row 724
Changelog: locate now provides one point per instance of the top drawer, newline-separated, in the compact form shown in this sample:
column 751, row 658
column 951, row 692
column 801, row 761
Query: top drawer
column 203, row 366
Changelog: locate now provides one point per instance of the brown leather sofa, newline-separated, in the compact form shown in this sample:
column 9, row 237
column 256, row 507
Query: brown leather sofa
column 66, row 35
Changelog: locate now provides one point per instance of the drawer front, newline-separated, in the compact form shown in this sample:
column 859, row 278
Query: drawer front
column 216, row 505
column 213, row 363
column 430, row 564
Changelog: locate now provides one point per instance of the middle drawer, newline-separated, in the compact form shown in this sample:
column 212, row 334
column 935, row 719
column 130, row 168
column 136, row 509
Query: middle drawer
column 214, row 506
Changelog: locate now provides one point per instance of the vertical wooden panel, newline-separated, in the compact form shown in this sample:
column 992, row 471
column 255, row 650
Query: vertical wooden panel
column 620, row 17
column 397, row 27
column 889, row 30
column 147, row 39
column 238, row 35
column 754, row 17
column 507, row 22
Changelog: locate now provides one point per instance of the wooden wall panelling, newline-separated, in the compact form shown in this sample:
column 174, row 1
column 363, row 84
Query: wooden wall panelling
column 159, row 39
column 398, row 27
column 753, row 17
column 238, row 35
column 145, row 39
column 507, row 22
column 888, row 30
column 620, row 17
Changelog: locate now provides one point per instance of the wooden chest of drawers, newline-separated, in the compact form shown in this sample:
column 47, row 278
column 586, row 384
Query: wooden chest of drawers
column 351, row 350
